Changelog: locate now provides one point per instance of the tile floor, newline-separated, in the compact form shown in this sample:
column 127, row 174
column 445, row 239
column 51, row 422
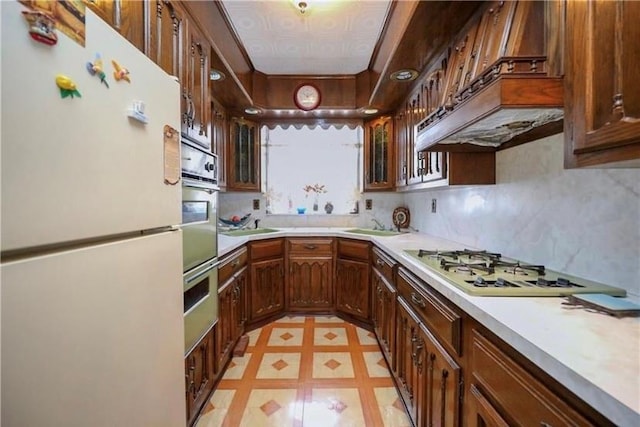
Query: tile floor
column 307, row 372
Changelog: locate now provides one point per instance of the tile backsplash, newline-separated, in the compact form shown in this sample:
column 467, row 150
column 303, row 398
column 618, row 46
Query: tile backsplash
column 585, row 222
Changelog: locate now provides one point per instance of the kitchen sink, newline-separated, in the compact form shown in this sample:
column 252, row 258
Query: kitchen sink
column 372, row 232
column 248, row 231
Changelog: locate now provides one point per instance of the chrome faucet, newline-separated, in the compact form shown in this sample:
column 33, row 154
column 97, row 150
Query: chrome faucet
column 378, row 225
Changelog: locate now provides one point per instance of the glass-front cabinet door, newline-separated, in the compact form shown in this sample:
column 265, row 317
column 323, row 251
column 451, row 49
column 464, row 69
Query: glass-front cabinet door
column 378, row 154
column 244, row 156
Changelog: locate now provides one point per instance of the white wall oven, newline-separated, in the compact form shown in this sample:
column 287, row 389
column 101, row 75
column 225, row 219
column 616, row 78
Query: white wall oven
column 199, row 240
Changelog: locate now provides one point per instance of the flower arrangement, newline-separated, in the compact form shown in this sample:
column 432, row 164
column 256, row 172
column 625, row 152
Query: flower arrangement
column 315, row 188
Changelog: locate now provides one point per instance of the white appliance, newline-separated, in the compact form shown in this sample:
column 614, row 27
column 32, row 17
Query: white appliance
column 91, row 273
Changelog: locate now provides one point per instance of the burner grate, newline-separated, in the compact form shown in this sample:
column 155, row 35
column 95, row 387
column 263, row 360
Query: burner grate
column 437, row 254
column 465, row 268
column 518, row 268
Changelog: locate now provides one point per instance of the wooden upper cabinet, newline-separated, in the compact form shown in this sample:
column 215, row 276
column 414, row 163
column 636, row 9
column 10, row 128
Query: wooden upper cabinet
column 219, row 134
column 125, row 16
column 196, row 119
column 378, row 154
column 602, row 96
column 243, row 167
column 166, row 35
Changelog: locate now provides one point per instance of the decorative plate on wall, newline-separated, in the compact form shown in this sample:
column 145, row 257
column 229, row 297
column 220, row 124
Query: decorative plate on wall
column 401, row 217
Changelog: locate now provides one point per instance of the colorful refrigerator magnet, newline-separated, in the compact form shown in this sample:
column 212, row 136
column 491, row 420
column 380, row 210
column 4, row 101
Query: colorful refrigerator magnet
column 41, row 27
column 95, row 69
column 120, row 72
column 67, row 87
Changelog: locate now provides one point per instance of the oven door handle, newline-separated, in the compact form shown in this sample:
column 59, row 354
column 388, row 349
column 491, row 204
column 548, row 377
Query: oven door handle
column 203, row 272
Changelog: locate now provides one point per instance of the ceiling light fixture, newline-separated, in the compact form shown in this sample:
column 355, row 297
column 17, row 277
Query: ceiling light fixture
column 405, row 75
column 216, row 75
column 252, row 110
column 302, row 6
column 370, row 110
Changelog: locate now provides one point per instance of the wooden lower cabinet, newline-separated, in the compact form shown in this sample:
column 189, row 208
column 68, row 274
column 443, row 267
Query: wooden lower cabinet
column 383, row 304
column 199, row 375
column 310, row 274
column 352, row 288
column 266, row 295
column 353, row 296
column 232, row 314
column 383, row 315
column 504, row 392
column 428, row 377
column 311, row 283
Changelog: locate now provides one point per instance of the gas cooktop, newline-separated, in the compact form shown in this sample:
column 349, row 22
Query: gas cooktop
column 490, row 274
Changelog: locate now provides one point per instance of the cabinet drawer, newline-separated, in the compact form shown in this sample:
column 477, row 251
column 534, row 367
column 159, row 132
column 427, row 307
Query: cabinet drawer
column 231, row 264
column 353, row 249
column 383, row 263
column 440, row 318
column 310, row 246
column 262, row 249
column 519, row 397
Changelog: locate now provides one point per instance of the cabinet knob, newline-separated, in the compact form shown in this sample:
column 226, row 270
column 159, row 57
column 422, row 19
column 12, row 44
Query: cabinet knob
column 417, row 300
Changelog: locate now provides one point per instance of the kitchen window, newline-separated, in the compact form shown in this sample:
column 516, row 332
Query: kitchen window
column 311, row 170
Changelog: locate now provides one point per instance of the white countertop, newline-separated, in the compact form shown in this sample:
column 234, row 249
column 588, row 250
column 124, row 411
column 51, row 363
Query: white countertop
column 595, row 356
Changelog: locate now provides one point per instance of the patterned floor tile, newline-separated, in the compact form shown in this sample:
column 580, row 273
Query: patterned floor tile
column 279, row 365
column 366, row 337
column 291, row 319
column 334, row 407
column 286, row 337
column 330, row 336
column 332, row 365
column 302, row 386
column 237, row 366
column 376, row 365
column 277, row 408
column 253, row 336
column 327, row 319
column 216, row 409
column 391, row 408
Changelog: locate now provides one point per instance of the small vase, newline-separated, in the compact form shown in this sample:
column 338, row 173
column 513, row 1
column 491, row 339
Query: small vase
column 328, row 207
column 315, row 204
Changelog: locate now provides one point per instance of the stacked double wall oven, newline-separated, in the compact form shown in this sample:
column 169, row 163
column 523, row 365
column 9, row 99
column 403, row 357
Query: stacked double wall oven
column 200, row 245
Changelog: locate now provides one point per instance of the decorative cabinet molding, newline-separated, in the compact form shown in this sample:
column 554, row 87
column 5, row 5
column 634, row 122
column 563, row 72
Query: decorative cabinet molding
column 602, row 98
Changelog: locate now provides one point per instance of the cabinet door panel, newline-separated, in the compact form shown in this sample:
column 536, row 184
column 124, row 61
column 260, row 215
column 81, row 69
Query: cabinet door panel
column 602, row 100
column 166, row 36
column 378, row 154
column 267, row 288
column 310, row 283
column 243, row 167
column 352, row 287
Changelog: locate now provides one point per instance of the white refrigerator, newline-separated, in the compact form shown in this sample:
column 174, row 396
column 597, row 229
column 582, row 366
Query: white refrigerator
column 91, row 273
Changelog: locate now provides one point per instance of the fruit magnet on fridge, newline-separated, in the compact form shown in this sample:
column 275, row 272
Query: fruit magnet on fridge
column 120, row 72
column 95, row 69
column 67, row 87
column 41, row 26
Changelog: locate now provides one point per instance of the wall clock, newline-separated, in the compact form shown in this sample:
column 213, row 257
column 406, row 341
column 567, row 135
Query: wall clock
column 307, row 97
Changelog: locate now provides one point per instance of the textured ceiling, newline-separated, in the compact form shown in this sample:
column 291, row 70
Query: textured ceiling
column 332, row 37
